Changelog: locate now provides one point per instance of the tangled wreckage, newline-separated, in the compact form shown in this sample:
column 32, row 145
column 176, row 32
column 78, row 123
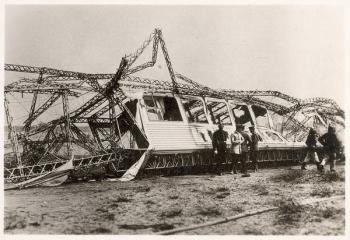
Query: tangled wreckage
column 131, row 125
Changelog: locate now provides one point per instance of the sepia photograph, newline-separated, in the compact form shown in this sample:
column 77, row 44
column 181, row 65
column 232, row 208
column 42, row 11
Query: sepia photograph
column 174, row 119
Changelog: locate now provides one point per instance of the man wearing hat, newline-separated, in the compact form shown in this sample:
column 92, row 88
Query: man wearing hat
column 311, row 154
column 219, row 147
column 254, row 148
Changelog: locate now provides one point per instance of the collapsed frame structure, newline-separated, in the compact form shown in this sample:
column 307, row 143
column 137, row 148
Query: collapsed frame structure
column 128, row 116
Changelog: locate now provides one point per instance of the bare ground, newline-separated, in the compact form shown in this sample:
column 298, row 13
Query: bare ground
column 147, row 206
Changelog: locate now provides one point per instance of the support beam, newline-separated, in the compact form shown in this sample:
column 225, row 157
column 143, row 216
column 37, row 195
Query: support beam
column 112, row 117
column 67, row 122
column 168, row 62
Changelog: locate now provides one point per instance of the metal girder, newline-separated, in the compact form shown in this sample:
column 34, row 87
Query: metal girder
column 112, row 85
column 56, row 72
column 289, row 119
column 41, row 109
column 262, row 93
column 192, row 82
column 67, row 122
column 43, row 91
column 112, row 118
column 31, row 113
column 119, row 95
column 168, row 62
column 132, row 57
column 13, row 135
column 12, row 174
column 84, row 139
column 157, row 39
column 89, row 106
column 31, row 171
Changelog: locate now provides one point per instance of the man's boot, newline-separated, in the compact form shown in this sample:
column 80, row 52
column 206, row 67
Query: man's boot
column 256, row 167
column 303, row 166
column 234, row 168
column 331, row 164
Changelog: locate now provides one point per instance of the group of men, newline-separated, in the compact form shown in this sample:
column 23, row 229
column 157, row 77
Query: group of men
column 331, row 146
column 243, row 148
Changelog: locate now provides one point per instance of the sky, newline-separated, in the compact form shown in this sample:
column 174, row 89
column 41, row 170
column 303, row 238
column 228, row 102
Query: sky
column 298, row 50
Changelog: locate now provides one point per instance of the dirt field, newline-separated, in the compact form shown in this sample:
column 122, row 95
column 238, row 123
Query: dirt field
column 150, row 205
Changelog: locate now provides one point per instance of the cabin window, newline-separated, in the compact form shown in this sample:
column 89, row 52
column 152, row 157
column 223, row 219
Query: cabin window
column 241, row 114
column 261, row 116
column 162, row 109
column 194, row 109
column 218, row 112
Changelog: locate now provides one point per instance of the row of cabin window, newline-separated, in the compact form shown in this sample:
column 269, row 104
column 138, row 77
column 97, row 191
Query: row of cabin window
column 167, row 109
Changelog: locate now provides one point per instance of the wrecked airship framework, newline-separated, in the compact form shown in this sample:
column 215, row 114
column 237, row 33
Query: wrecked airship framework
column 128, row 117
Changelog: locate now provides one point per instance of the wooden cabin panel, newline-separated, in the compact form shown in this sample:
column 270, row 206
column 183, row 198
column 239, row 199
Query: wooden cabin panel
column 177, row 136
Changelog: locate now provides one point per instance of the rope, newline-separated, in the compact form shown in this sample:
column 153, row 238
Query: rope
column 242, row 215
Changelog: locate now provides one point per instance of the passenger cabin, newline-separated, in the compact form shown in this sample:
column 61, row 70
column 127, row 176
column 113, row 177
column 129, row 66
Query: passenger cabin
column 184, row 124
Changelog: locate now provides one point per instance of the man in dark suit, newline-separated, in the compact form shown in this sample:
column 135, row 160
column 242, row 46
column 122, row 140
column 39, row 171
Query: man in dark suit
column 254, row 147
column 219, row 147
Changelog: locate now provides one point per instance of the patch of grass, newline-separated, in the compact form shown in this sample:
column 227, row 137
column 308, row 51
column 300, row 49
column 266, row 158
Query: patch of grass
column 222, row 189
column 101, row 210
column 109, row 216
column 133, row 226
column 173, row 196
column 260, row 189
column 333, row 177
column 113, row 205
column 217, row 190
column 123, row 199
column 209, row 210
column 100, row 230
column 289, row 211
column 237, row 209
column 252, row 231
column 288, row 176
column 14, row 221
column 149, row 202
column 326, row 212
column 222, row 195
column 143, row 189
column 322, row 191
column 170, row 213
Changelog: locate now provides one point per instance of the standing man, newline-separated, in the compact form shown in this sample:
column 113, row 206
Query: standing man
column 331, row 145
column 219, row 147
column 254, row 148
column 236, row 141
column 311, row 154
column 245, row 150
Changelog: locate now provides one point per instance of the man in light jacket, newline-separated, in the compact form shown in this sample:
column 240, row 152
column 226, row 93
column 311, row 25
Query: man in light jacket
column 236, row 141
column 245, row 151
